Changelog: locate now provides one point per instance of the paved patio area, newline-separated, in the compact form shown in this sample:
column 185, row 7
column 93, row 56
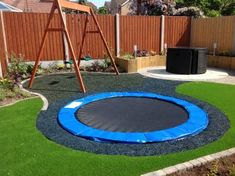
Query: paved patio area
column 212, row 75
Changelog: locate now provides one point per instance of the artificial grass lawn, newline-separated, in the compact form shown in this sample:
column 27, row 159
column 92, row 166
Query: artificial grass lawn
column 24, row 151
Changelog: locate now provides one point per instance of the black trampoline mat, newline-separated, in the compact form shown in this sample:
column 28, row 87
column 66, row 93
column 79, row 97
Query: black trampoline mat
column 131, row 114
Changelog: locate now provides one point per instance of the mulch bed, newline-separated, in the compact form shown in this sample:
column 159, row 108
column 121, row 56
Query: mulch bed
column 7, row 101
column 63, row 88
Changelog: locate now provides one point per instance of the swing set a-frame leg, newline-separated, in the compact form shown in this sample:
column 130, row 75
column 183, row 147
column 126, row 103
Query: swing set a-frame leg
column 83, row 40
column 105, row 42
column 41, row 46
column 55, row 6
column 79, row 76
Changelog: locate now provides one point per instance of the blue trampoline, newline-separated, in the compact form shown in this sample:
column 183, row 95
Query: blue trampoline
column 132, row 117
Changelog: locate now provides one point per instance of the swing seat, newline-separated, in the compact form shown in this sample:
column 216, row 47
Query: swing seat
column 68, row 62
column 87, row 58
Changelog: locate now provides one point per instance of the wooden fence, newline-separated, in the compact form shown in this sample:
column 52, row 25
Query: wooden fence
column 143, row 31
column 177, row 31
column 220, row 30
column 24, row 32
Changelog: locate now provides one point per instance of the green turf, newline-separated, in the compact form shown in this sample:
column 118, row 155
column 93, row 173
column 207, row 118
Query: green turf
column 24, row 151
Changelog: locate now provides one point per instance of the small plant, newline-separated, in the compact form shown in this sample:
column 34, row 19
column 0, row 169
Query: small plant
column 60, row 66
column 6, row 84
column 99, row 66
column 225, row 53
column 142, row 53
column 128, row 56
column 214, row 169
column 17, row 70
column 30, row 68
column 232, row 172
column 162, row 53
column 153, row 53
column 107, row 63
column 21, row 93
column 95, row 67
column 9, row 90
column 51, row 68
column 2, row 94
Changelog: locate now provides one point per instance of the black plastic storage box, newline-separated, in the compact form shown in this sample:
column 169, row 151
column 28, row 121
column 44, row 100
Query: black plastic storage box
column 184, row 60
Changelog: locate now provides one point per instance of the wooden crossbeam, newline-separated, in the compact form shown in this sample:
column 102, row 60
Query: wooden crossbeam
column 74, row 6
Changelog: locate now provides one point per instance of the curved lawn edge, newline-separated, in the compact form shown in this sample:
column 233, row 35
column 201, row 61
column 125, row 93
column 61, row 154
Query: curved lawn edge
column 34, row 150
column 43, row 98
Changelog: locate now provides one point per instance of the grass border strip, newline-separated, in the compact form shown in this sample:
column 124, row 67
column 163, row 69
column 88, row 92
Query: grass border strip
column 17, row 101
column 192, row 163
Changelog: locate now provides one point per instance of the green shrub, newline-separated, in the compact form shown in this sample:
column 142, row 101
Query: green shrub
column 214, row 170
column 30, row 68
column 233, row 171
column 6, row 83
column 2, row 94
column 17, row 69
column 10, row 94
column 21, row 93
column 107, row 63
column 128, row 56
column 60, row 66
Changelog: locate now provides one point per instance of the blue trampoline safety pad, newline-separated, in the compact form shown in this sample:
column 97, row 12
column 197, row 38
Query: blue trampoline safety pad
column 196, row 122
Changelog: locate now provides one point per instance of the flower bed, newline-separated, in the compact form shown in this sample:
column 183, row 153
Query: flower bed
column 226, row 62
column 133, row 65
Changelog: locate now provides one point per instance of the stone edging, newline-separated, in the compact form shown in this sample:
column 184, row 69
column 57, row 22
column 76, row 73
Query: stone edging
column 45, row 101
column 192, row 163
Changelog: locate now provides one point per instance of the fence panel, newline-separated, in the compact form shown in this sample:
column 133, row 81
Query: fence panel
column 143, row 31
column 24, row 34
column 220, row 30
column 177, row 31
column 93, row 45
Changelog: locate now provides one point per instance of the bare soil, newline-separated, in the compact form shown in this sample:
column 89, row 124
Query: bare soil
column 7, row 101
column 221, row 167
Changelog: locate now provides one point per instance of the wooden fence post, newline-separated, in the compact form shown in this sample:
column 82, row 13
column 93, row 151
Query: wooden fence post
column 117, row 36
column 65, row 42
column 162, row 32
column 233, row 35
column 4, row 45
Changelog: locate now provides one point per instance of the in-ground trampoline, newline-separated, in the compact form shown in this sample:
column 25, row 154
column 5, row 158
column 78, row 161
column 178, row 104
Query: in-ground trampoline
column 132, row 117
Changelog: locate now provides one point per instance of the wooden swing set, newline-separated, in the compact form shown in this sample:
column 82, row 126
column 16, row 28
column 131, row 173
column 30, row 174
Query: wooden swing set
column 58, row 5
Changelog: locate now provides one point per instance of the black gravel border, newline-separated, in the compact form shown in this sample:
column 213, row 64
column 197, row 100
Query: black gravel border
column 62, row 89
